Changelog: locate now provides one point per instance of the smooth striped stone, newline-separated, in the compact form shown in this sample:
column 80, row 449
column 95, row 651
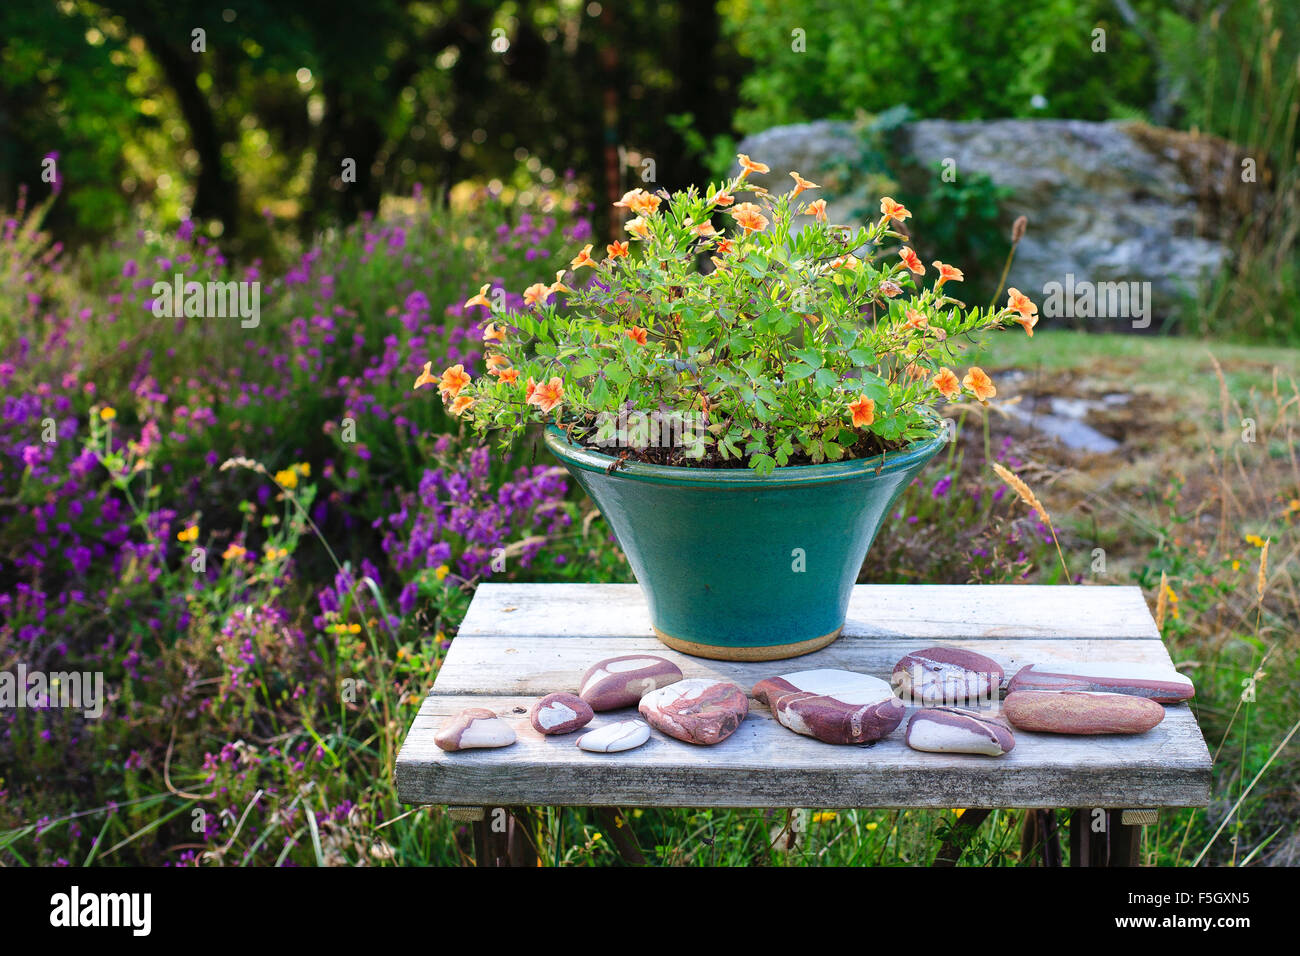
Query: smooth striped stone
column 947, row 676
column 948, row 730
column 560, row 714
column 838, row 707
column 474, row 727
column 698, row 711
column 1163, row 685
column 623, row 735
column 623, row 681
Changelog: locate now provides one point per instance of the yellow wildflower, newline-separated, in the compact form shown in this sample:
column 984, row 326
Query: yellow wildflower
column 189, row 534
column 288, row 478
column 107, row 413
column 442, row 571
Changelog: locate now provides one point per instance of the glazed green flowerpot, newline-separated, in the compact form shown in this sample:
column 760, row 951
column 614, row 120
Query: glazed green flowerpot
column 735, row 566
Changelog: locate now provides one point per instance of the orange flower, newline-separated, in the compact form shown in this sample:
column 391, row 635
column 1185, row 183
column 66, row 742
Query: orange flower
column 481, row 298
column 496, row 361
column 583, row 259
column 558, row 285
column 638, row 227
column 893, row 210
column 704, row 229
column 452, row 381
column 947, row 272
column 946, row 382
column 529, row 388
column 546, row 396
column 748, row 166
column 494, row 333
column 915, row 320
column 912, row 261
column 537, row 292
column 634, row 200
column 616, row 249
column 637, row 334
column 646, row 204
column 863, row 411
column 725, row 246
column 509, row 375
column 891, row 289
column 800, row 184
column 748, row 216
column 817, row 209
column 721, row 199
column 426, row 377
column 461, row 403
column 979, row 383
column 914, row 371
column 1028, row 311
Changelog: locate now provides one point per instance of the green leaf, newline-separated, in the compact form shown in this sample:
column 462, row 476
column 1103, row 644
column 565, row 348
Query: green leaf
column 799, row 371
column 810, row 356
column 826, row 378
column 762, row 464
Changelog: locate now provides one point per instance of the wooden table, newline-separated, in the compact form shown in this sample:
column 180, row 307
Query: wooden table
column 520, row 642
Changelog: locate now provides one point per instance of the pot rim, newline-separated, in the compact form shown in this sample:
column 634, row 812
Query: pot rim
column 586, row 459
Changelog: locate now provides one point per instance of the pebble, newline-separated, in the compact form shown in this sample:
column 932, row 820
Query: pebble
column 623, row 681
column 1164, row 685
column 623, row 735
column 1081, row 712
column 947, row 676
column 839, row 707
column 698, row 711
column 947, row 730
column 474, row 727
column 560, row 714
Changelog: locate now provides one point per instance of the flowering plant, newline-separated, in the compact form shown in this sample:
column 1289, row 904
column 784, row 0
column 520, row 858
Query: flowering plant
column 786, row 340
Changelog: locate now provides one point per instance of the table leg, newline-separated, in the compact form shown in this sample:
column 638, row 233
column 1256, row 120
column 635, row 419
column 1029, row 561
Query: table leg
column 960, row 834
column 503, row 837
column 614, row 822
column 1107, row 837
column 1040, row 839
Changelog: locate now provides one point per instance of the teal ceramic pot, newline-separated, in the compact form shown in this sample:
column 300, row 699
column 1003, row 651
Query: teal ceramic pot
column 735, row 566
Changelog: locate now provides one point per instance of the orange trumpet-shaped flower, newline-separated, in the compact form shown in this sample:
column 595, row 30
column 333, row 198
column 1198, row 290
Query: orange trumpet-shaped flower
column 800, row 184
column 537, row 292
column 547, row 395
column 638, row 227
column 893, row 210
column 616, row 249
column 637, row 334
column 979, row 383
column 509, row 375
column 452, row 381
column 481, row 298
column 426, row 377
column 640, row 202
column 704, row 229
column 914, row 371
column 558, row 285
column 946, row 382
column 749, row 218
column 947, row 273
column 495, row 362
column 817, row 209
column 461, row 404
column 494, row 333
column 529, row 387
column 863, row 411
column 721, row 198
column 912, row 261
column 891, row 289
column 1028, row 311
column 915, row 320
column 583, row 259
column 748, row 166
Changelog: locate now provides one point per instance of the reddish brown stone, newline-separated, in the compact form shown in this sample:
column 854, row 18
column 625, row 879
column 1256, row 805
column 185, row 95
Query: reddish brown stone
column 1081, row 712
column 953, row 731
column 839, row 707
column 560, row 714
column 947, row 676
column 623, row 681
column 698, row 711
column 1161, row 684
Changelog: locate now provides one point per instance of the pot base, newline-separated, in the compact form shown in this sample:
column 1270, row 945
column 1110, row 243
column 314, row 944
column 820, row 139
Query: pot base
column 768, row 652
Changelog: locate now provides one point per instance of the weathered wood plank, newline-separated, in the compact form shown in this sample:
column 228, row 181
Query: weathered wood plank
column 765, row 765
column 537, row 666
column 922, row 612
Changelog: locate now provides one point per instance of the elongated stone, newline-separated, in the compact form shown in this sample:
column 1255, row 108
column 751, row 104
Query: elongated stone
column 1161, row 684
column 560, row 714
column 839, row 707
column 474, row 727
column 949, row 730
column 622, row 735
column 947, row 676
column 698, row 711
column 1081, row 712
column 623, row 681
